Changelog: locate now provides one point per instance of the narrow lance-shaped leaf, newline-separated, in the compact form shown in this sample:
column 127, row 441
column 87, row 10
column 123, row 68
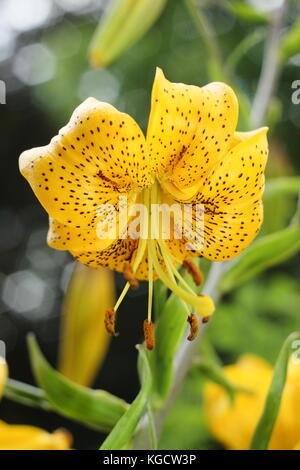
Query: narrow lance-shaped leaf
column 169, row 331
column 213, row 372
column 264, row 429
column 124, row 23
column 125, row 428
column 266, row 252
column 94, row 408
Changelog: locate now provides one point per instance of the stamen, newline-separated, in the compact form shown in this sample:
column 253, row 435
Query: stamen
column 194, row 326
column 129, row 275
column 110, row 322
column 149, row 334
column 194, row 271
column 205, row 319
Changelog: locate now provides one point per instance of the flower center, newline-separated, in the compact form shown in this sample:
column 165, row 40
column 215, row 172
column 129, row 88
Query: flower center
column 162, row 262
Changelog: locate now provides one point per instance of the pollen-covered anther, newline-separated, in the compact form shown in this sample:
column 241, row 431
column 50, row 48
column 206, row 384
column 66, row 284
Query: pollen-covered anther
column 110, row 322
column 149, row 334
column 205, row 319
column 194, row 271
column 129, row 276
column 194, row 326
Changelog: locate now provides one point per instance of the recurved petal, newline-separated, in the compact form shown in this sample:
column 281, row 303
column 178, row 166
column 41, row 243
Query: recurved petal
column 228, row 232
column 113, row 257
column 231, row 196
column 190, row 129
column 97, row 156
column 239, row 177
column 111, row 223
column 64, row 237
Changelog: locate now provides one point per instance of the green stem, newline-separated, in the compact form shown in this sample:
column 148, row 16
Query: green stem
column 216, row 67
column 152, row 428
column 270, row 68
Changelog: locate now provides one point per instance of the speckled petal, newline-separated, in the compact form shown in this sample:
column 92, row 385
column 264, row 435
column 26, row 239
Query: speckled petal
column 114, row 257
column 64, row 237
column 190, row 129
column 231, row 195
column 99, row 155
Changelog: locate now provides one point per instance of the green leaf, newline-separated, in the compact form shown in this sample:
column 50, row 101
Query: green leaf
column 290, row 43
column 26, row 394
column 123, row 24
column 266, row 252
column 264, row 429
column 125, row 427
column 160, row 296
column 169, row 331
column 213, row 372
column 282, row 186
column 95, row 408
column 245, row 12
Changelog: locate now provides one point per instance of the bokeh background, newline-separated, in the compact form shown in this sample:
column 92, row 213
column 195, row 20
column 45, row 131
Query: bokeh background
column 44, row 64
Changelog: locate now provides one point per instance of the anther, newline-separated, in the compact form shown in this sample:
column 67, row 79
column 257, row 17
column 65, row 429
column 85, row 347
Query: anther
column 110, row 322
column 149, row 334
column 129, row 276
column 194, row 271
column 194, row 326
column 205, row 319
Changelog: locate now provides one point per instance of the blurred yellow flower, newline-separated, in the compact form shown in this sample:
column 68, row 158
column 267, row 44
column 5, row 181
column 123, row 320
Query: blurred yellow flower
column 234, row 424
column 83, row 339
column 191, row 154
column 3, row 375
column 22, row 437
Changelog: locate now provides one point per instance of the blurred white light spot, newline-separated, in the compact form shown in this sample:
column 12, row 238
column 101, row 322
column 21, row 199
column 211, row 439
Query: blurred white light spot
column 23, row 291
column 66, row 275
column 100, row 84
column 266, row 6
column 34, row 64
column 7, row 42
column 70, row 36
column 45, row 259
column 295, row 60
column 26, row 15
column 73, row 5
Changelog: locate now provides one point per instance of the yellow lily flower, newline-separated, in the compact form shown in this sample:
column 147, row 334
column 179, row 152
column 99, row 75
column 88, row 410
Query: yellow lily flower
column 22, row 437
column 234, row 424
column 192, row 155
